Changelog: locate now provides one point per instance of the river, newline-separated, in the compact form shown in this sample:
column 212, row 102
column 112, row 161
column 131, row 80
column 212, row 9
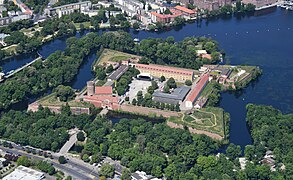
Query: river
column 265, row 40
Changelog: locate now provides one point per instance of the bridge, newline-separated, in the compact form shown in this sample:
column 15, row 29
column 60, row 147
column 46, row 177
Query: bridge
column 19, row 69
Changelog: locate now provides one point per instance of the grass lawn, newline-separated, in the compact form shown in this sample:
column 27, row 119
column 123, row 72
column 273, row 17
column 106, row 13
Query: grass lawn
column 86, row 25
column 207, row 90
column 113, row 56
column 51, row 100
column 208, row 119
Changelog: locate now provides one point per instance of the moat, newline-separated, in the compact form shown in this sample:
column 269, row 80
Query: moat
column 264, row 40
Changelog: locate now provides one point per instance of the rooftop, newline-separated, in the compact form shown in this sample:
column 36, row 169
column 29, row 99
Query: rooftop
column 118, row 72
column 198, row 88
column 184, row 9
column 170, row 69
column 102, row 90
column 24, row 173
column 177, row 95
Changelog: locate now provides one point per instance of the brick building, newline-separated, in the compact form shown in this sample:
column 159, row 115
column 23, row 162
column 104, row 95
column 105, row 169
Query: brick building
column 167, row 71
column 102, row 98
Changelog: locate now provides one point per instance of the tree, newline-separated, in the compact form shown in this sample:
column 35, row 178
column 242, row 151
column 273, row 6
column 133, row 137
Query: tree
column 23, row 161
column 62, row 160
column 162, row 78
column 171, row 83
column 166, row 89
column 233, row 151
column 188, row 82
column 64, row 93
column 155, row 85
column 80, row 136
column 126, row 175
column 107, row 170
column 109, row 69
column 135, row 25
column 86, row 158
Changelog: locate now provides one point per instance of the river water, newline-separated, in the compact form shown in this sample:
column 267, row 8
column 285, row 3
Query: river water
column 265, row 40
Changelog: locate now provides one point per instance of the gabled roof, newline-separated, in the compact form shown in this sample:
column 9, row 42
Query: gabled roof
column 198, row 88
column 184, row 9
column 102, row 90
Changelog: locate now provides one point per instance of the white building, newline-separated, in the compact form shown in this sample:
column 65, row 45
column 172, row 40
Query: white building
column 69, row 9
column 130, row 7
column 24, row 173
column 2, row 160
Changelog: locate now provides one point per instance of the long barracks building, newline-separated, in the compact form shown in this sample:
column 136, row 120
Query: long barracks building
column 155, row 70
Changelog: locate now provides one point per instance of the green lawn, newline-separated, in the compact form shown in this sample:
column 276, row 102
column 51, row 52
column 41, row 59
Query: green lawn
column 113, row 56
column 208, row 119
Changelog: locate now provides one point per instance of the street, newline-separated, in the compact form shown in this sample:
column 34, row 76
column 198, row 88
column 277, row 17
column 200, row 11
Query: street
column 75, row 168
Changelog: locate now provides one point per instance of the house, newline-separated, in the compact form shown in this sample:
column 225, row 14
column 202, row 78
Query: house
column 164, row 18
column 196, row 91
column 187, row 13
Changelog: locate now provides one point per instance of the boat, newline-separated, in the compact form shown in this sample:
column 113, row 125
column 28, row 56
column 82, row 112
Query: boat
column 136, row 40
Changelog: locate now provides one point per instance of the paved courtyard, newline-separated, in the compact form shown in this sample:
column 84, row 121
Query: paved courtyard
column 138, row 85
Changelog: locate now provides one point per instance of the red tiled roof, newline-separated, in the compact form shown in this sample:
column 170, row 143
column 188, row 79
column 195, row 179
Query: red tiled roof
column 163, row 16
column 184, row 9
column 208, row 56
column 102, row 90
column 155, row 67
column 111, row 98
column 198, row 88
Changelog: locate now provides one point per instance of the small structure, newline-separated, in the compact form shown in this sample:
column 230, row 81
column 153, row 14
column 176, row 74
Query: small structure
column 2, row 75
column 203, row 54
column 196, row 91
column 177, row 96
column 24, row 173
column 3, row 162
column 144, row 76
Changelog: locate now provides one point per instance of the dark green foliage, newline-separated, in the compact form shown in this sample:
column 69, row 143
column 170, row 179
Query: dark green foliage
column 107, row 170
column 188, row 82
column 64, row 93
column 42, row 129
column 80, row 136
column 46, row 167
column 62, row 160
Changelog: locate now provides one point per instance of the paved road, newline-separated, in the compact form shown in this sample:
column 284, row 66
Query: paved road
column 73, row 167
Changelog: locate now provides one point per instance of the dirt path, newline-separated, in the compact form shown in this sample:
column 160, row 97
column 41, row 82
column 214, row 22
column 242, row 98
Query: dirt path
column 195, row 131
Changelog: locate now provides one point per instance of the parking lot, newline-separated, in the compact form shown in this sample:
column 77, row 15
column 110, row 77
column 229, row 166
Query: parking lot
column 138, row 85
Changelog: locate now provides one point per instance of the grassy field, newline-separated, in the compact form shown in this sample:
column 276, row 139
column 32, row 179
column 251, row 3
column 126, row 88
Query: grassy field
column 51, row 100
column 87, row 25
column 209, row 119
column 113, row 56
column 207, row 90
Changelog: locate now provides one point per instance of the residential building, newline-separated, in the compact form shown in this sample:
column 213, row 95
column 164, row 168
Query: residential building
column 196, row 91
column 187, row 13
column 260, row 3
column 7, row 20
column 211, row 4
column 24, row 9
column 130, row 7
column 176, row 97
column 23, row 173
column 155, row 70
column 81, row 7
column 164, row 18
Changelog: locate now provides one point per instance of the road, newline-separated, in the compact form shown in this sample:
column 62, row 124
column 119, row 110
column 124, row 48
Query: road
column 77, row 169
